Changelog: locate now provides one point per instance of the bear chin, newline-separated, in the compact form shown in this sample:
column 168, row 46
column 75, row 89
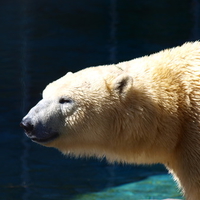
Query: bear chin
column 43, row 140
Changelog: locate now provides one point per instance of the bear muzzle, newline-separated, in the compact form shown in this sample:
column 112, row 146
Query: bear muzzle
column 37, row 133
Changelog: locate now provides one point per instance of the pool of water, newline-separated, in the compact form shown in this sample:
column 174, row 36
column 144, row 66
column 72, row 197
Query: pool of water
column 41, row 41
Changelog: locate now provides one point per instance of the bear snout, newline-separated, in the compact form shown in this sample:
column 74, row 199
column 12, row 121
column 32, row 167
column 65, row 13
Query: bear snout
column 38, row 133
column 27, row 125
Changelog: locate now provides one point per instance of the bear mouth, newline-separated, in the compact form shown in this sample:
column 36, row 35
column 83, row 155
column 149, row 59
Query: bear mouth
column 43, row 140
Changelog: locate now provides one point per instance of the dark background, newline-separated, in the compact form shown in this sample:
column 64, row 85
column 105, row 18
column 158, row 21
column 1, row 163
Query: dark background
column 41, row 40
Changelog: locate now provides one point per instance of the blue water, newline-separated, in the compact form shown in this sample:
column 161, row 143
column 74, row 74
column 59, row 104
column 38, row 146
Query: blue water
column 41, row 41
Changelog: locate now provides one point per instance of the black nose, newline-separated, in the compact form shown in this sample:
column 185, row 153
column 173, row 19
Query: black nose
column 27, row 125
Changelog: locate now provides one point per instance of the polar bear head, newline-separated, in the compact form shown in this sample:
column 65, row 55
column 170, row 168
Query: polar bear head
column 81, row 112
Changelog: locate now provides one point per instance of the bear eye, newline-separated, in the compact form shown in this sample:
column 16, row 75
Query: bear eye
column 65, row 100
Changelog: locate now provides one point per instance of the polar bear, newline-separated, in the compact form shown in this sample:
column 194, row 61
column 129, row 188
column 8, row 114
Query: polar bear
column 146, row 110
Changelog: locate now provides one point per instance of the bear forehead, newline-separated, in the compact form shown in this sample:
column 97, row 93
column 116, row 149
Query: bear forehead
column 86, row 80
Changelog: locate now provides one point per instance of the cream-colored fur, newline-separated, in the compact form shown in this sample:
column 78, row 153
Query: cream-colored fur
column 146, row 110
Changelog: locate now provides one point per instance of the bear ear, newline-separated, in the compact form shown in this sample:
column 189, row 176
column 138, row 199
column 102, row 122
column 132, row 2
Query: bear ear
column 122, row 84
column 68, row 73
